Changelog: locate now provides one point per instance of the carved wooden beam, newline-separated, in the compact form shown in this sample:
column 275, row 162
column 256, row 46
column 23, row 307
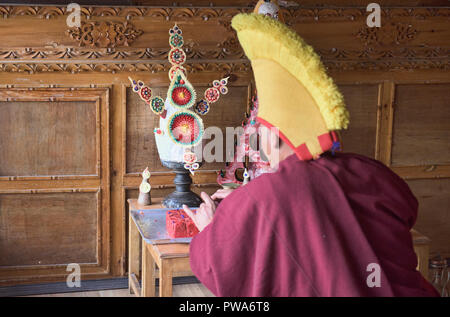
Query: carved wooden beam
column 116, row 39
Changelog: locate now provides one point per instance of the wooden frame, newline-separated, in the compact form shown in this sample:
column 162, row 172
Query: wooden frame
column 386, row 117
column 387, row 113
column 59, row 270
column 39, row 94
column 98, row 184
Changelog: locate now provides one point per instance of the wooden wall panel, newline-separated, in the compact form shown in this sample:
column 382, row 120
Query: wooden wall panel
column 362, row 103
column 47, row 138
column 48, row 228
column 421, row 134
column 434, row 212
column 55, row 210
column 140, row 141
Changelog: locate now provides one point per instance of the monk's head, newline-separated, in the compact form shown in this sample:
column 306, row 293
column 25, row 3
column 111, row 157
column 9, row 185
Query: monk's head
column 295, row 93
column 273, row 147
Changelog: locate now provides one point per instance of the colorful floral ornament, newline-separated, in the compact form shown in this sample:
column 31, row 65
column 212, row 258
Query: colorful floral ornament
column 174, row 69
column 190, row 159
column 177, row 56
column 192, row 167
column 202, row 107
column 221, row 85
column 142, row 90
column 212, row 94
column 185, row 128
column 176, row 39
column 175, row 30
column 145, row 93
column 181, row 93
column 156, row 103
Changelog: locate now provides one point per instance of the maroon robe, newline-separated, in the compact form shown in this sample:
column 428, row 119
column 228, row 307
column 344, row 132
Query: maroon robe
column 312, row 229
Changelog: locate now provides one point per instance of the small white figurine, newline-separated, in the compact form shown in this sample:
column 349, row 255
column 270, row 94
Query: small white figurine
column 144, row 189
column 246, row 177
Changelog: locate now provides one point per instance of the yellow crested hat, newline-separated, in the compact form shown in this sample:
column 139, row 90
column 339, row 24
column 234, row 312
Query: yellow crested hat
column 295, row 94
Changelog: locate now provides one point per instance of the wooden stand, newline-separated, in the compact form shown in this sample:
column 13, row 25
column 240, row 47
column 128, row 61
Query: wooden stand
column 166, row 260
column 182, row 194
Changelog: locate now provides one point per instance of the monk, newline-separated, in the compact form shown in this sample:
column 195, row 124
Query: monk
column 310, row 229
column 324, row 223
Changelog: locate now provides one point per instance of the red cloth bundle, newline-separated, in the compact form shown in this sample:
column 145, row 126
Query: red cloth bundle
column 179, row 224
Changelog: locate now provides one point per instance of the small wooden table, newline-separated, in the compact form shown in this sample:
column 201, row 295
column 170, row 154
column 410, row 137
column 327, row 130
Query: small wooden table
column 171, row 259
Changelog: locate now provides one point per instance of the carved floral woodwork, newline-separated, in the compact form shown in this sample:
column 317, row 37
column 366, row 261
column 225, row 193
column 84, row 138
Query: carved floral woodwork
column 225, row 68
column 223, row 51
column 105, row 34
column 389, row 34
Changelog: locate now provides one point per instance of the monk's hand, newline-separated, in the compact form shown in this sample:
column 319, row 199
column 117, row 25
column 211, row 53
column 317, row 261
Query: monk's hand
column 204, row 214
column 221, row 194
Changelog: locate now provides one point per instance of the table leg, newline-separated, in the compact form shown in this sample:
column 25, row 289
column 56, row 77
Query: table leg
column 133, row 251
column 165, row 279
column 148, row 271
column 422, row 253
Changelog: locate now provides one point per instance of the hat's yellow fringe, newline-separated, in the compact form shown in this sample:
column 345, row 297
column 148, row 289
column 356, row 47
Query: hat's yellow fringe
column 284, row 46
